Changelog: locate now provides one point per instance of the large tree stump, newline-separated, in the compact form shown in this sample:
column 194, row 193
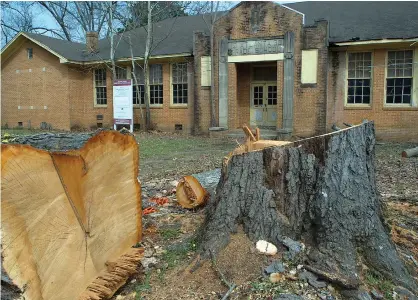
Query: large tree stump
column 319, row 190
column 69, row 219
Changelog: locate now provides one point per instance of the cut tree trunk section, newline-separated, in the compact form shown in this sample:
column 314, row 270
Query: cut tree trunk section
column 410, row 152
column 319, row 190
column 69, row 219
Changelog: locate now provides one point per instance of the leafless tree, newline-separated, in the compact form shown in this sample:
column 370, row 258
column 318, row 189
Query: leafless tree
column 75, row 17
column 19, row 16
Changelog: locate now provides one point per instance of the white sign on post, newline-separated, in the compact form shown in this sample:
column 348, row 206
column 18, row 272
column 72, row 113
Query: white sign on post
column 122, row 103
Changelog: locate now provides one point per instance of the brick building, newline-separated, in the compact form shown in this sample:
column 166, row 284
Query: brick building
column 294, row 70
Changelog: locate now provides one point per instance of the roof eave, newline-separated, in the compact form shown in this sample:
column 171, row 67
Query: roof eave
column 370, row 42
column 61, row 58
column 126, row 59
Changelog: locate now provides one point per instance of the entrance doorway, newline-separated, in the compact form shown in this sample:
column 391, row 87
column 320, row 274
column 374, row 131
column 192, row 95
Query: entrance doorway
column 263, row 112
column 263, row 108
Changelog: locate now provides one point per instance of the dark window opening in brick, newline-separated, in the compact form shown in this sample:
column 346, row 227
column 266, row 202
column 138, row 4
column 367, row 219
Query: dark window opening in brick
column 121, row 73
column 30, row 53
column 179, row 83
column 272, row 95
column 138, row 86
column 156, row 84
column 399, row 77
column 100, row 86
column 99, row 125
column 258, row 95
column 20, row 124
column 99, row 117
column 178, row 127
column 268, row 73
column 359, row 78
column 138, row 94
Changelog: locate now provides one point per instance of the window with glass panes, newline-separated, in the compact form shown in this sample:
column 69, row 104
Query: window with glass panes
column 121, row 73
column 399, row 77
column 272, row 95
column 138, row 87
column 179, row 83
column 359, row 78
column 100, row 86
column 156, row 84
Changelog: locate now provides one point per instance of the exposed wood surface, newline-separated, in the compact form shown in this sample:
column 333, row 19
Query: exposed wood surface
column 190, row 193
column 65, row 215
column 410, row 152
column 254, row 142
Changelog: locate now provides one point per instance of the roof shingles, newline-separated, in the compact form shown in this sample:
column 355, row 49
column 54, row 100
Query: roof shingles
column 347, row 21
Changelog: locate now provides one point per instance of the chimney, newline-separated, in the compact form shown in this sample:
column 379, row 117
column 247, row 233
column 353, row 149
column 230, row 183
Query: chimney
column 92, row 41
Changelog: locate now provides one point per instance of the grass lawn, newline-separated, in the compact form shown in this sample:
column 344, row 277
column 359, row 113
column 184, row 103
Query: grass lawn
column 163, row 154
column 168, row 154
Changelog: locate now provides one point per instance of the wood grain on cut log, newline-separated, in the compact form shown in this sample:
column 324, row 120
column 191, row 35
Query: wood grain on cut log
column 320, row 190
column 67, row 216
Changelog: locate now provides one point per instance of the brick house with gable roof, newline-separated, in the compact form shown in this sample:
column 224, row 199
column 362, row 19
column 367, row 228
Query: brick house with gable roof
column 291, row 69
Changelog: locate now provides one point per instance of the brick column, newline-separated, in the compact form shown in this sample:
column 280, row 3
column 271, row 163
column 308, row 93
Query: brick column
column 233, row 121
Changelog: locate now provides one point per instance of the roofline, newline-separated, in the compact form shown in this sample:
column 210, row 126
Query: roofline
column 296, row 11
column 370, row 42
column 62, row 58
column 127, row 59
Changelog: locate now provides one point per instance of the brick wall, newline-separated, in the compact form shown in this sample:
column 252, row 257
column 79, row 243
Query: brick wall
column 309, row 101
column 34, row 84
column 164, row 118
column 391, row 123
column 82, row 109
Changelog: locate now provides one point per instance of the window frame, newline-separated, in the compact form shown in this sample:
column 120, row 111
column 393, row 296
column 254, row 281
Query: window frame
column 161, row 84
column 413, row 102
column 149, row 87
column 95, row 104
column 178, row 105
column 133, row 85
column 360, row 105
column 121, row 68
column 29, row 53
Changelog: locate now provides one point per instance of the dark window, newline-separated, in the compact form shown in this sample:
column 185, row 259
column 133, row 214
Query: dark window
column 30, row 53
column 138, row 94
column 138, row 86
column 100, row 86
column 268, row 73
column 20, row 124
column 359, row 78
column 121, row 73
column 272, row 95
column 399, row 77
column 156, row 84
column 258, row 95
column 156, row 94
column 178, row 127
column 179, row 82
column 358, row 91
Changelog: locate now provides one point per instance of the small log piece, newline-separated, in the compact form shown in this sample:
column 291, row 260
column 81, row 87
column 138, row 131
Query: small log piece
column 410, row 152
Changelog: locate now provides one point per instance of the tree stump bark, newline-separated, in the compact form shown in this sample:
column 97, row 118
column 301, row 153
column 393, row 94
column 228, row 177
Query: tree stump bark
column 319, row 190
column 69, row 219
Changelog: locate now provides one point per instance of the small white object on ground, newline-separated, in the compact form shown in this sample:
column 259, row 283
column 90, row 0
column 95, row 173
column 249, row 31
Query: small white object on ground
column 266, row 247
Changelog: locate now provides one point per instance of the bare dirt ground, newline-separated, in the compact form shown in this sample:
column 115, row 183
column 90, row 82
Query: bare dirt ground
column 170, row 234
